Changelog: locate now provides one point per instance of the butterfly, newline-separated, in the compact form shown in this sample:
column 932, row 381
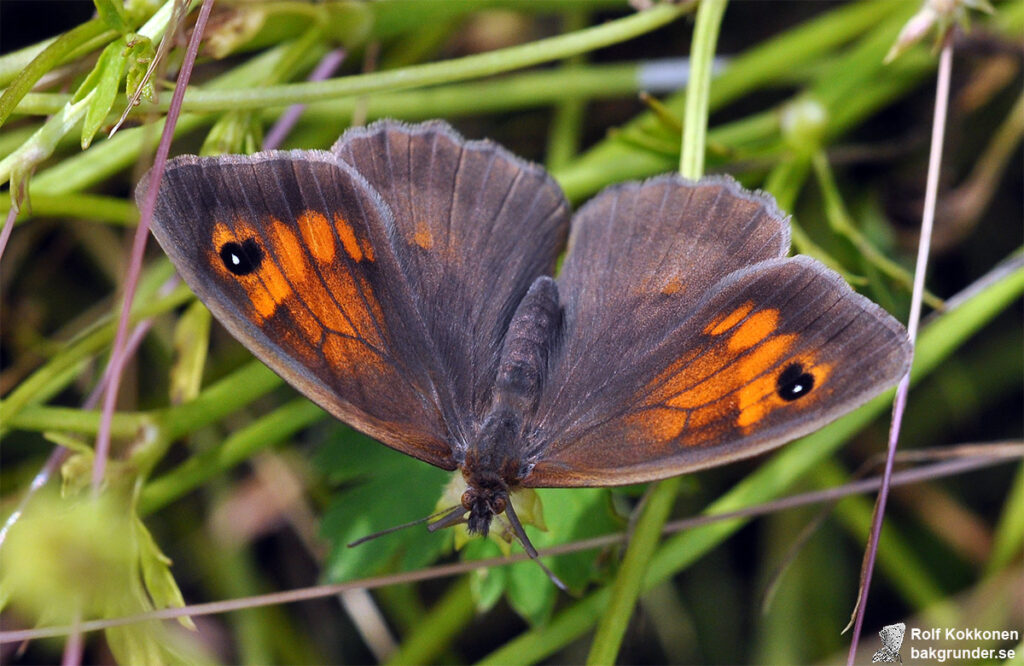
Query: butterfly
column 403, row 281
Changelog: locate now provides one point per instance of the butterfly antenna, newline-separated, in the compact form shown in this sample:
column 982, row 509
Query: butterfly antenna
column 449, row 517
column 517, row 527
column 370, row 537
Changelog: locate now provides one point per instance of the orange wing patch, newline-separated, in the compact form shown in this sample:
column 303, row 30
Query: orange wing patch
column 754, row 329
column 673, row 286
column 267, row 287
column 731, row 383
column 333, row 306
column 422, row 236
column 316, row 234
column 760, row 396
column 352, row 246
column 723, row 324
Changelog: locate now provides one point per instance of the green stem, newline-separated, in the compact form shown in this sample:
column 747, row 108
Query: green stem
column 527, row 89
column 231, row 393
column 433, row 634
column 262, row 433
column 629, row 581
column 564, row 133
column 102, row 334
column 758, row 67
column 784, row 183
column 896, row 557
column 840, row 222
column 228, row 395
column 1008, row 537
column 67, row 419
column 91, row 207
column 43, row 141
column 474, row 66
column 122, row 150
column 698, row 92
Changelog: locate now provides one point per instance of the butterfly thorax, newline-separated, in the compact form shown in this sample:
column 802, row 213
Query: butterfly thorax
column 495, row 461
column 491, row 469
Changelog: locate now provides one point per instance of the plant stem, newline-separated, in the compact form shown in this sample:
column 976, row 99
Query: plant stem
column 56, row 371
column 264, row 432
column 628, row 582
column 92, row 207
column 468, row 67
column 564, row 132
column 924, row 246
column 1008, row 537
column 433, row 635
column 698, row 92
column 68, row 419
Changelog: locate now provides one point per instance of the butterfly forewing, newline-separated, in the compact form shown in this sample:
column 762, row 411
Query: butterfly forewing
column 290, row 250
column 475, row 225
column 653, row 381
column 661, row 244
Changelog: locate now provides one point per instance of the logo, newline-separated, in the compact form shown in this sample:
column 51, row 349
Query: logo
column 892, row 640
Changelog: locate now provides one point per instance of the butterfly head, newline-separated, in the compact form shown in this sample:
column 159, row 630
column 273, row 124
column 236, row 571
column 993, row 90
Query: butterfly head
column 483, row 503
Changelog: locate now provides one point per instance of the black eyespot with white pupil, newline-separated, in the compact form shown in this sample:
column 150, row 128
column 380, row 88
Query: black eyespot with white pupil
column 241, row 258
column 794, row 383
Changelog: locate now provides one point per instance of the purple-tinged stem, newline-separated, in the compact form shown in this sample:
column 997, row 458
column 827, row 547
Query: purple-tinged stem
column 328, row 65
column 931, row 472
column 118, row 357
column 5, row 235
column 60, row 453
column 923, row 248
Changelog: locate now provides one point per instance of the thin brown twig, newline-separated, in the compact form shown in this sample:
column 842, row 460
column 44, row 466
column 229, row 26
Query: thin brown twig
column 118, row 357
column 914, row 321
column 1008, row 451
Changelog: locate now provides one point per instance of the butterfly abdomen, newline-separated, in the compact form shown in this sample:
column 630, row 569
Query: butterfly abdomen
column 493, row 464
column 524, row 355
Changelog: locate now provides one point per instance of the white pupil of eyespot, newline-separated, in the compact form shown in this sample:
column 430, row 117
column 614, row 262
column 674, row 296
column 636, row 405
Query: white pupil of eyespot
column 235, row 259
column 798, row 388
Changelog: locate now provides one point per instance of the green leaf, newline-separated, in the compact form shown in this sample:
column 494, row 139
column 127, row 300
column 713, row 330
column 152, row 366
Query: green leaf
column 573, row 514
column 156, row 574
column 487, row 585
column 106, row 80
column 140, row 54
column 140, row 10
column 530, row 592
column 242, row 23
column 5, row 593
column 68, row 441
column 76, row 474
column 237, row 132
column 67, row 557
column 397, row 489
column 349, row 23
column 191, row 343
column 135, row 644
column 113, row 14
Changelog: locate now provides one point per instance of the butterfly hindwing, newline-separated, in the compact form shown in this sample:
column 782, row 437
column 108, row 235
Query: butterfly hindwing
column 474, row 226
column 291, row 251
column 695, row 342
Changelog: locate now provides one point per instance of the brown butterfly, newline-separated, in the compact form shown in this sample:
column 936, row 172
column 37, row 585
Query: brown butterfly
column 402, row 281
